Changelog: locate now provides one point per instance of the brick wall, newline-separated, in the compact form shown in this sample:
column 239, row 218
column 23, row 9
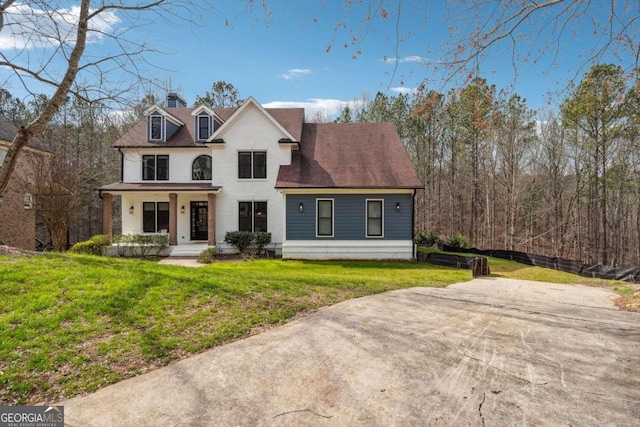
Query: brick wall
column 17, row 224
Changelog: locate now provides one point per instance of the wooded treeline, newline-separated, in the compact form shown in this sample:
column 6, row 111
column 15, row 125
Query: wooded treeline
column 564, row 184
column 496, row 173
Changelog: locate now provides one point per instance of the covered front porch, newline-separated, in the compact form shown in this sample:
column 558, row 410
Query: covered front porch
column 186, row 212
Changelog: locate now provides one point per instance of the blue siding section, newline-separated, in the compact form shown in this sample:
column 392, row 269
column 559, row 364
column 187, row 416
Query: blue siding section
column 349, row 220
column 171, row 129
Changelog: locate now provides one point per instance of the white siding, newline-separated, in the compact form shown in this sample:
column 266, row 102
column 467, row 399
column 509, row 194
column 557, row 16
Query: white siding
column 180, row 161
column 348, row 249
column 251, row 131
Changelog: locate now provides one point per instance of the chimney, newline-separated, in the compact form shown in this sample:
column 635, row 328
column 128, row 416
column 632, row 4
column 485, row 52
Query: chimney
column 175, row 101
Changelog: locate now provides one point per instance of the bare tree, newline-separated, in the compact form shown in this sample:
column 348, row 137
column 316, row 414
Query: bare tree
column 60, row 194
column 41, row 37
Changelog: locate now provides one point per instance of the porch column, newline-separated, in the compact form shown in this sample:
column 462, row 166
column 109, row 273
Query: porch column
column 173, row 219
column 107, row 214
column 211, row 219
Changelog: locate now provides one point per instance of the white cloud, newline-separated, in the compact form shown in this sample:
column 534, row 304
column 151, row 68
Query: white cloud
column 411, row 58
column 27, row 27
column 326, row 107
column 295, row 73
column 404, row 90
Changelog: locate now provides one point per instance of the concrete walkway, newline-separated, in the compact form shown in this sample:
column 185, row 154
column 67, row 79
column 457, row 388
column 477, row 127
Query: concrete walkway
column 183, row 261
column 489, row 352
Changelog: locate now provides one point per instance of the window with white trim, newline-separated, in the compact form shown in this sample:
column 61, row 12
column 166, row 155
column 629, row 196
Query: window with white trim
column 252, row 216
column 324, row 217
column 252, row 164
column 375, row 218
column 156, row 123
column 28, row 201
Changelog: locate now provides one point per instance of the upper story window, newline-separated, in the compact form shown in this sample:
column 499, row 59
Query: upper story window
column 324, row 220
column 203, row 127
column 375, row 217
column 155, row 167
column 156, row 128
column 252, row 164
column 201, row 168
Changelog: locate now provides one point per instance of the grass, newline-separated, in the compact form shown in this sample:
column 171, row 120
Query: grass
column 70, row 324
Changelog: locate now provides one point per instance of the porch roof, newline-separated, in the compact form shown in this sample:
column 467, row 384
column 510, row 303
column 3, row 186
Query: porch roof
column 157, row 186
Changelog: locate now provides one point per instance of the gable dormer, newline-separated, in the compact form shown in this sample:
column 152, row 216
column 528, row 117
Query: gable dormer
column 161, row 125
column 286, row 138
column 206, row 122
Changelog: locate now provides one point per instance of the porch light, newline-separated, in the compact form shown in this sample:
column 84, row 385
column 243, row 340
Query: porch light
column 131, row 209
column 182, row 209
column 397, row 206
column 301, row 207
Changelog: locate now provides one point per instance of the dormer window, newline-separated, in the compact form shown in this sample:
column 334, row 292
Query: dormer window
column 155, row 128
column 204, row 127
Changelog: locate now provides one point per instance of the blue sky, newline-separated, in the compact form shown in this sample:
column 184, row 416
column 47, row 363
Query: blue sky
column 283, row 59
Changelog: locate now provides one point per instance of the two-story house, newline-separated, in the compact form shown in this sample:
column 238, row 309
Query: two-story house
column 324, row 191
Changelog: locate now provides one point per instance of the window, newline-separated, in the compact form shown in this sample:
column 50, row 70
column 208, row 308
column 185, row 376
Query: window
column 203, row 127
column 252, row 165
column 253, row 216
column 201, row 168
column 374, row 218
column 155, row 128
column 325, row 217
column 155, row 217
column 28, row 201
column 155, row 168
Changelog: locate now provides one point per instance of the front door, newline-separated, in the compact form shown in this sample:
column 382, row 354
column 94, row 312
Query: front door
column 199, row 215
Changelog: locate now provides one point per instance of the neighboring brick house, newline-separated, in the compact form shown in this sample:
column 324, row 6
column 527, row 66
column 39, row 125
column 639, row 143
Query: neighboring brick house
column 18, row 216
column 324, row 191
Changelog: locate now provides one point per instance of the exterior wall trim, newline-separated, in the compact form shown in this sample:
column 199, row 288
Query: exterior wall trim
column 313, row 191
column 349, row 249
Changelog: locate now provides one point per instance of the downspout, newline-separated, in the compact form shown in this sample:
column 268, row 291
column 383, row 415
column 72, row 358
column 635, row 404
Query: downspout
column 121, row 164
column 413, row 223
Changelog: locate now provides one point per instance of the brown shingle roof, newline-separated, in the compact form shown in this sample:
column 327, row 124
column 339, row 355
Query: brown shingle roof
column 290, row 118
column 7, row 130
column 354, row 155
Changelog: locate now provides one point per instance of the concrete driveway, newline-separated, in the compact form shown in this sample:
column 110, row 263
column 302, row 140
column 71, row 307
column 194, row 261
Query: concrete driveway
column 490, row 352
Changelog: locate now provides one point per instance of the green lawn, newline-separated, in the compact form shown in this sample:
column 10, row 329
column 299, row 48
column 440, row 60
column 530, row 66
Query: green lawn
column 70, row 324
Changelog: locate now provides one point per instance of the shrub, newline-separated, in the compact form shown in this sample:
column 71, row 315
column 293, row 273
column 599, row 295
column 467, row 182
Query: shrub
column 240, row 239
column 207, row 256
column 261, row 239
column 140, row 245
column 429, row 238
column 458, row 241
column 93, row 246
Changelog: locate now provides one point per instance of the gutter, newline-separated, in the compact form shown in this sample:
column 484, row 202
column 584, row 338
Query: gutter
column 413, row 224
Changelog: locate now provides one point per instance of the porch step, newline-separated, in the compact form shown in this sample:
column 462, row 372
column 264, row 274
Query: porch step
column 191, row 250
